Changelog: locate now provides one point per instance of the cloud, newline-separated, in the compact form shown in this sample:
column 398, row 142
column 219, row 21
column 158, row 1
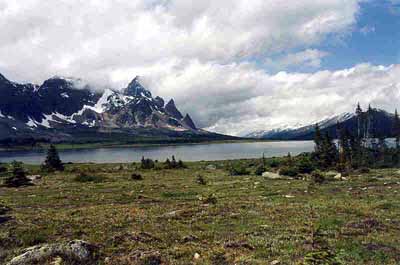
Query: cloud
column 310, row 58
column 202, row 53
column 367, row 30
column 239, row 98
column 93, row 39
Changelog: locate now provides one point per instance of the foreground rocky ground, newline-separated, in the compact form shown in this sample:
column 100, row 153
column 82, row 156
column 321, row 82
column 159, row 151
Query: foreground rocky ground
column 177, row 217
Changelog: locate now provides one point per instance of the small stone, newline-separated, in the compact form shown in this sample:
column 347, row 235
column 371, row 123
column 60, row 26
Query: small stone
column 196, row 256
column 34, row 177
column 271, row 175
column 275, row 262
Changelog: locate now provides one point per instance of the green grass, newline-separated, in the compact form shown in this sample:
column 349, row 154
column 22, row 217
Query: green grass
column 251, row 220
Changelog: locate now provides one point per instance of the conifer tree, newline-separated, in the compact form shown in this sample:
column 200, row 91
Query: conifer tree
column 318, row 140
column 53, row 161
column 359, row 120
column 173, row 162
column 396, row 129
column 18, row 177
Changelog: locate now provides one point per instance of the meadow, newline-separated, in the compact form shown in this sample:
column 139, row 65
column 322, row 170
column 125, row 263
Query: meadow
column 202, row 214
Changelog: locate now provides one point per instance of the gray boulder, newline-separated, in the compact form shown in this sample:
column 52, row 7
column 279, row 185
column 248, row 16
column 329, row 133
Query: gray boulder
column 73, row 253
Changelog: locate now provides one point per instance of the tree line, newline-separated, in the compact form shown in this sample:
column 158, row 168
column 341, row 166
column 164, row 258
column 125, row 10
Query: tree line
column 363, row 146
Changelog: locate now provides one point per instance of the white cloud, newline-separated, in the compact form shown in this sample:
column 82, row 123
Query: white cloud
column 311, row 58
column 91, row 39
column 202, row 53
column 367, row 30
column 239, row 98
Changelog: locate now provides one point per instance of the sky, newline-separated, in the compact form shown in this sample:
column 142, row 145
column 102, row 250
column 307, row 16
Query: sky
column 236, row 66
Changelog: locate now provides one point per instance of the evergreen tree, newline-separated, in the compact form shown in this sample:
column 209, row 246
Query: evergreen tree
column 167, row 164
column 396, row 129
column 18, row 177
column 318, row 140
column 359, row 120
column 329, row 153
column 53, row 161
column 173, row 162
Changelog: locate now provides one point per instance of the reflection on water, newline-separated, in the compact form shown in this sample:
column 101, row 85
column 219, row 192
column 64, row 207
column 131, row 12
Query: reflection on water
column 197, row 152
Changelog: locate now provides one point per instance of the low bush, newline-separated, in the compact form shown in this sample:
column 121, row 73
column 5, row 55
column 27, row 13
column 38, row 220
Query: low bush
column 3, row 169
column 290, row 171
column 147, row 163
column 172, row 164
column 237, row 170
column 136, row 176
column 305, row 165
column 210, row 199
column 317, row 177
column 201, row 180
column 18, row 177
column 273, row 163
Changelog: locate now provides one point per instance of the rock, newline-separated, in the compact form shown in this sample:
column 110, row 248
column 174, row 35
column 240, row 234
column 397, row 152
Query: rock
column 275, row 262
column 34, row 177
column 211, row 167
column 339, row 176
column 271, row 175
column 73, row 253
column 196, row 256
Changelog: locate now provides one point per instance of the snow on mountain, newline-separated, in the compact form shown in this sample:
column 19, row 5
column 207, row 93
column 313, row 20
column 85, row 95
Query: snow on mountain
column 63, row 103
column 299, row 128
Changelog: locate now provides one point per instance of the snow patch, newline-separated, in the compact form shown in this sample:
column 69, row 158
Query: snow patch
column 31, row 123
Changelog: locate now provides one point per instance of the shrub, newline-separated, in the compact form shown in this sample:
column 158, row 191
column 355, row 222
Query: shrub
column 305, row 166
column 260, row 169
column 83, row 177
column 18, row 177
column 211, row 199
column 201, row 180
column 317, row 177
column 136, row 176
column 3, row 169
column 290, row 171
column 273, row 163
column 172, row 164
column 237, row 170
column 146, row 163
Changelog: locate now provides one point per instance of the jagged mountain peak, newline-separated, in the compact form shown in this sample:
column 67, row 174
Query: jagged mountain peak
column 189, row 122
column 136, row 89
column 3, row 79
column 172, row 110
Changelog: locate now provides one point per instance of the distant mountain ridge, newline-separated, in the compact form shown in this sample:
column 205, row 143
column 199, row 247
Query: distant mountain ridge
column 383, row 123
column 63, row 109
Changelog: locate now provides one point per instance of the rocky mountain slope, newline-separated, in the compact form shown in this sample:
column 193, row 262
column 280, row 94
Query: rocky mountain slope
column 382, row 121
column 65, row 109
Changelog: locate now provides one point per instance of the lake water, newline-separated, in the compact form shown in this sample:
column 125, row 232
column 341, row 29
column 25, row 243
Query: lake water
column 194, row 152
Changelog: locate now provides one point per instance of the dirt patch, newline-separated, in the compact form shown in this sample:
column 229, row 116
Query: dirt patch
column 363, row 227
column 239, row 244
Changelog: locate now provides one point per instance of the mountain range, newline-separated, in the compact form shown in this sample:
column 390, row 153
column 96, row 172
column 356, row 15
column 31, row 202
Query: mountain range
column 382, row 120
column 67, row 110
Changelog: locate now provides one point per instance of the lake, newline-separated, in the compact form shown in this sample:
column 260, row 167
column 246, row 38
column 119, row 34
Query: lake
column 189, row 152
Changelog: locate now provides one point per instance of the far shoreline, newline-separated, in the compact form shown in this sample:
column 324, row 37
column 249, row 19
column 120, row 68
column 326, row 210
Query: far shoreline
column 70, row 146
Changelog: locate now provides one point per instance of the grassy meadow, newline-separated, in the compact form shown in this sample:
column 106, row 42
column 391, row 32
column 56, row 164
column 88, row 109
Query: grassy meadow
column 203, row 215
